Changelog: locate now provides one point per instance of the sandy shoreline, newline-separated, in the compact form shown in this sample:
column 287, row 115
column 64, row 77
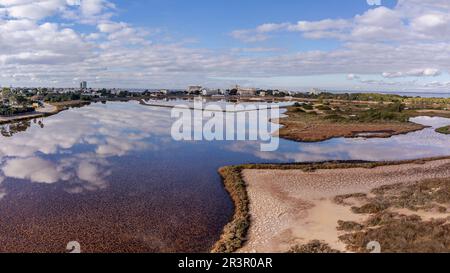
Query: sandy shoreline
column 292, row 207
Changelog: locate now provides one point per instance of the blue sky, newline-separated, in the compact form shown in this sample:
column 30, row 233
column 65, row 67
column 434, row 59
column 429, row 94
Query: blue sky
column 399, row 45
column 210, row 22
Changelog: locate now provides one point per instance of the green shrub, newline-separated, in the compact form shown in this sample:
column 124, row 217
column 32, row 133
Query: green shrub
column 316, row 247
column 11, row 111
column 308, row 106
column 383, row 114
column 298, row 110
column 444, row 130
column 335, row 118
column 323, row 108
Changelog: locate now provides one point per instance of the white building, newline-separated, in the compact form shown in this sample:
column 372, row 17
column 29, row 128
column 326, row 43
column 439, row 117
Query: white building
column 116, row 91
column 246, row 92
column 194, row 89
column 210, row 92
column 316, row 91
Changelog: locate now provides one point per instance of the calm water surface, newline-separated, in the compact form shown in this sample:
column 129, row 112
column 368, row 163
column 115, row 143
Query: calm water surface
column 111, row 177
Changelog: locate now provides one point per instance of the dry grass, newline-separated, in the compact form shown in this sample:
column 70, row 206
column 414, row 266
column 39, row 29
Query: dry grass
column 315, row 246
column 235, row 233
column 319, row 125
column 337, row 164
column 397, row 232
column 426, row 195
column 428, row 113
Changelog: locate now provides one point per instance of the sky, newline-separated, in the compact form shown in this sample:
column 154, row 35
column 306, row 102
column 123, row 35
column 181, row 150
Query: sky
column 370, row 45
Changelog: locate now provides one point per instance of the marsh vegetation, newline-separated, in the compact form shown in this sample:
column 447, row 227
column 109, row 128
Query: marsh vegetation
column 370, row 115
column 396, row 218
column 444, row 130
column 234, row 234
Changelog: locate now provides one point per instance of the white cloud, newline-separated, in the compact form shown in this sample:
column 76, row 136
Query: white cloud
column 91, row 173
column 256, row 49
column 327, row 24
column 33, row 168
column 123, row 33
column 437, row 84
column 429, row 21
column 110, row 27
column 248, row 36
column 410, row 40
column 428, row 72
column 92, row 7
column 310, row 29
column 270, row 27
column 50, row 44
column 403, row 41
column 32, row 9
column 24, row 156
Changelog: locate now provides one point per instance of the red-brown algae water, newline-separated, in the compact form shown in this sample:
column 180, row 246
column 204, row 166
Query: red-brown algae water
column 111, row 177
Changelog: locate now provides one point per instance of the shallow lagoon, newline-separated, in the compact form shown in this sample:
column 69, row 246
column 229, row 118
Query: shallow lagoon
column 111, row 177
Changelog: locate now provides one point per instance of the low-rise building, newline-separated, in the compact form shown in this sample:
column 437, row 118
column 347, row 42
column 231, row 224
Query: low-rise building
column 316, row 91
column 210, row 92
column 194, row 89
column 246, row 92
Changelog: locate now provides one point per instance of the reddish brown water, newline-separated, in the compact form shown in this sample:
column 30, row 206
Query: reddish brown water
column 111, row 177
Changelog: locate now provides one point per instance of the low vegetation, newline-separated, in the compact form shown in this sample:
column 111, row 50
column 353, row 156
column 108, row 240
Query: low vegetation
column 427, row 103
column 444, row 130
column 391, row 113
column 13, row 103
column 397, row 232
column 352, row 97
column 63, row 97
column 427, row 196
column 11, row 111
column 316, row 247
column 414, row 103
column 11, row 129
column 325, row 116
column 310, row 122
column 234, row 234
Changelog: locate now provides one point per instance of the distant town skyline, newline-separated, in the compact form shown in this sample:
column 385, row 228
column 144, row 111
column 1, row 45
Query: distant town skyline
column 355, row 45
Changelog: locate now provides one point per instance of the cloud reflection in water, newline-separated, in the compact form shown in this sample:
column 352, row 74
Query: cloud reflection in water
column 105, row 171
column 75, row 145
